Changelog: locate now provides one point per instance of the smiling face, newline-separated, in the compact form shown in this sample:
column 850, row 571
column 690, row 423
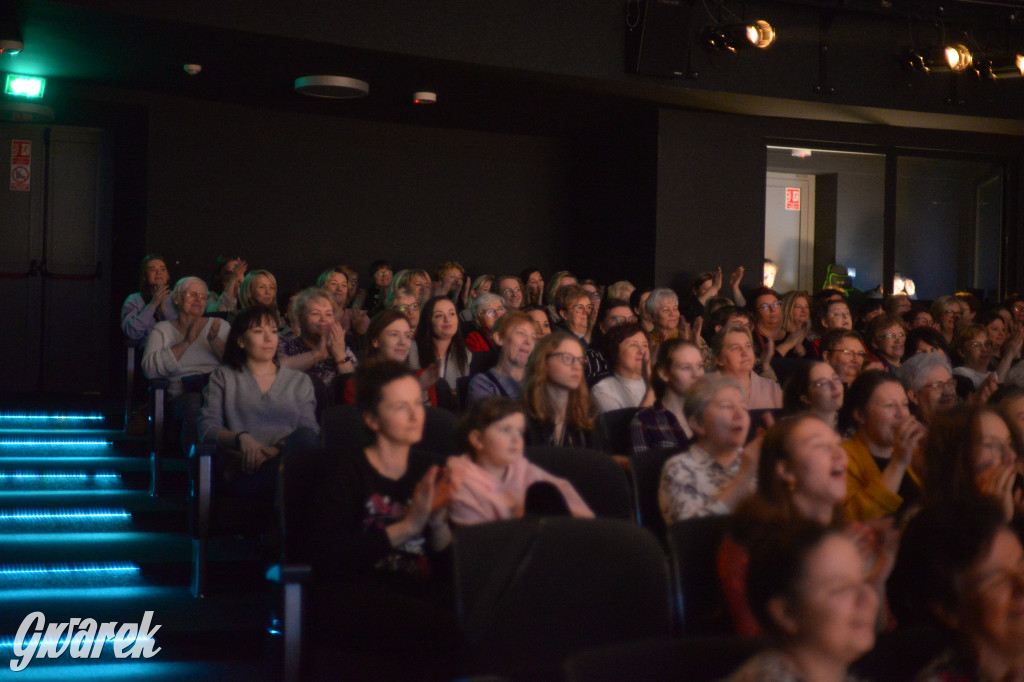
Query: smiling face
column 949, row 318
column 399, row 415
column 936, row 396
column 193, row 300
column 408, row 306
column 997, row 333
column 511, row 291
column 156, row 274
column 887, row 408
column 891, row 343
column 666, row 314
column 633, row 353
column 993, row 444
column 336, row 287
column 517, row 343
column 535, row 285
column 922, row 319
column 394, row 341
column 725, row 422
column 578, row 314
column 816, row 469
column 543, row 323
column 263, row 291
column 977, row 351
column 444, row 321
column 737, row 355
column 420, row 285
column 317, row 318
column 847, row 358
column 499, row 445
column 490, row 314
column 824, row 389
column 260, row 341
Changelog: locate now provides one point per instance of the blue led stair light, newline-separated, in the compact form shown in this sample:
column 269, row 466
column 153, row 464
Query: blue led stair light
column 108, row 568
column 55, row 417
column 53, row 442
column 64, row 514
column 99, row 476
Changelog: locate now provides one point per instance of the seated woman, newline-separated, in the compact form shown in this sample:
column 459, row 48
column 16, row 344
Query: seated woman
column 259, row 288
column 626, row 350
column 733, row 349
column 796, row 316
column 187, row 346
column 486, row 309
column 378, row 534
column 490, row 483
column 230, row 272
column 562, row 278
column 404, row 301
column 946, row 312
column 662, row 308
column 380, row 279
column 975, row 349
column 918, row 317
column 930, row 386
column 450, row 279
column 971, row 451
column 770, row 328
column 886, row 443
column 809, row 589
column 576, row 312
column 516, row 335
column 481, row 285
column 717, row 472
column 510, row 288
column 334, row 283
column 255, row 409
column 814, row 388
column 887, row 339
column 320, row 349
column 439, row 342
column 663, row 426
column 534, row 282
column 390, row 337
column 539, row 314
column 961, row 567
column 845, row 351
column 152, row 303
column 557, row 401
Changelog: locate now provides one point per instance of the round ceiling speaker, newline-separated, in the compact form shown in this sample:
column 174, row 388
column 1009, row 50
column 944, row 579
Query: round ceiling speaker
column 333, row 87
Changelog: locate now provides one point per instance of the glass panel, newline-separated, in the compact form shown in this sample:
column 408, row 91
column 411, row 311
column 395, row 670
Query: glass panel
column 948, row 222
column 848, row 213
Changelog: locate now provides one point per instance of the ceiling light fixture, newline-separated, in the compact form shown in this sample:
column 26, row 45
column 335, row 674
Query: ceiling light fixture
column 731, row 37
column 332, row 87
column 11, row 46
column 1002, row 67
column 954, row 57
column 424, row 97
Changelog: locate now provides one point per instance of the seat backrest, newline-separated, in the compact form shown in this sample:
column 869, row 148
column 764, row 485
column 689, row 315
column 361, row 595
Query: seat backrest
column 611, row 433
column 693, row 550
column 646, row 477
column 671, row 659
column 300, row 474
column 533, row 590
column 598, row 479
column 342, row 428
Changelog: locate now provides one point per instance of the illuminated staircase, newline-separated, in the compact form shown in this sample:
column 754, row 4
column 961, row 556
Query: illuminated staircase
column 80, row 537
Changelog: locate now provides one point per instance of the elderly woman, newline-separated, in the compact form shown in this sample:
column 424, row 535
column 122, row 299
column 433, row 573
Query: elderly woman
column 809, row 589
column 626, row 350
column 930, row 386
column 947, row 313
column 254, row 408
column 380, row 280
column 558, row 404
column 533, row 283
column 961, row 567
column 717, row 471
column 185, row 347
column 844, row 350
column 480, row 285
column 152, row 303
column 887, row 339
column 439, row 342
column 577, row 312
column 487, row 309
column 885, row 444
column 510, row 288
column 516, row 334
column 490, row 483
column 334, row 282
column 320, row 349
column 663, row 426
column 733, row 350
column 662, row 308
column 815, row 388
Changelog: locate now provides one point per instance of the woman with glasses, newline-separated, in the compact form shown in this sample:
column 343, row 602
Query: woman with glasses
column 887, row 338
column 510, row 288
column 814, row 388
column 663, row 426
column 717, row 472
column 487, row 309
column 380, row 279
column 577, row 312
column 403, row 300
column 946, row 313
column 733, row 349
column 976, row 350
column 931, row 388
column 769, row 327
column 844, row 350
column 558, row 404
column 184, row 351
column 885, row 449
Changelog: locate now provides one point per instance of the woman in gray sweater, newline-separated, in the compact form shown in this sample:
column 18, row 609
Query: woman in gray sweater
column 254, row 409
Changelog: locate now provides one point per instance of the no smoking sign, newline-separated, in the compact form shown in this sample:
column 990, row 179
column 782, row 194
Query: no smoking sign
column 21, row 165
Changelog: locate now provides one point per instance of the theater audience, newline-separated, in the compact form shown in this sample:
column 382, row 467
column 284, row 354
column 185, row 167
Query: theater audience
column 516, row 335
column 733, row 349
column 558, row 404
column 577, row 312
column 663, row 426
column 491, row 482
column 390, row 337
column 662, row 308
column 334, row 283
column 885, row 461
column 254, row 409
column 450, row 279
column 184, row 351
column 562, row 278
column 717, row 472
column 380, row 279
column 151, row 303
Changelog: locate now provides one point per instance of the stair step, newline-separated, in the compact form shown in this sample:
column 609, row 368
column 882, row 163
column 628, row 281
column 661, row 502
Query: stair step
column 154, row 670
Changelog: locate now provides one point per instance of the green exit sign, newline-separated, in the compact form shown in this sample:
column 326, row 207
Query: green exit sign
column 24, row 86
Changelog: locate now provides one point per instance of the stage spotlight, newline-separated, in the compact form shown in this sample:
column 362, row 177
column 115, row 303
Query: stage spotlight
column 1003, row 66
column 954, row 57
column 732, row 37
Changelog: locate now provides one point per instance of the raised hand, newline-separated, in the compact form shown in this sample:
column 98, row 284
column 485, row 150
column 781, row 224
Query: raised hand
column 160, row 295
column 735, row 278
column 910, row 433
column 422, row 504
column 214, row 329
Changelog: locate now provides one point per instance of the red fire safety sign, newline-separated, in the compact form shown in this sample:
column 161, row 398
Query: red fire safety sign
column 21, row 165
column 792, row 198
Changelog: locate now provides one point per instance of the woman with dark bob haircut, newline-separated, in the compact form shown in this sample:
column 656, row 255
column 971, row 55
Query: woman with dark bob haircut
column 255, row 409
column 962, row 567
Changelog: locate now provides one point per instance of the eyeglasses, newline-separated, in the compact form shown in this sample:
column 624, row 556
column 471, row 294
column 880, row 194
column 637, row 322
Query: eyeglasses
column 951, row 313
column 616, row 320
column 568, row 359
column 494, row 312
column 509, row 292
column 974, row 345
column 196, row 296
column 822, row 383
column 406, row 307
column 893, row 337
column 859, row 354
column 947, row 385
column 589, row 308
column 594, row 295
column 770, row 306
